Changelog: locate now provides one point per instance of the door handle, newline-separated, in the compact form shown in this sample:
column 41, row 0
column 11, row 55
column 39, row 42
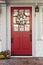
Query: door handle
column 12, row 40
column 31, row 37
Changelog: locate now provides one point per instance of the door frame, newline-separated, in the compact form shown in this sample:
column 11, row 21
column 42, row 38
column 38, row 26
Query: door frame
column 9, row 32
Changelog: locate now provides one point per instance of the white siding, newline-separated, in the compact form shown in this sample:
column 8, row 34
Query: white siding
column 3, row 27
column 37, row 43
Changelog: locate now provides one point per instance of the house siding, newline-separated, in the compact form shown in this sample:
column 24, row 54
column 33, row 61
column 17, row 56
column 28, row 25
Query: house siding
column 37, row 44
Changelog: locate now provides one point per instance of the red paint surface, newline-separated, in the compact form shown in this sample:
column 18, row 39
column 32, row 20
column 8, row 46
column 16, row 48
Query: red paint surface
column 21, row 39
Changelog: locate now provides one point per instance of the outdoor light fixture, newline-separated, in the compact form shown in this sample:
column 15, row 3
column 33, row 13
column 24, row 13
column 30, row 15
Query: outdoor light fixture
column 36, row 8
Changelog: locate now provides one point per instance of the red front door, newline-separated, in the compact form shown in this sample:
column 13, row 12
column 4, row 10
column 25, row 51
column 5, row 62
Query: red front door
column 21, row 31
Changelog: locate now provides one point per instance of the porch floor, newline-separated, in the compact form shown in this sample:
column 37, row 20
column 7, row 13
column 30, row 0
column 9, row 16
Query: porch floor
column 22, row 61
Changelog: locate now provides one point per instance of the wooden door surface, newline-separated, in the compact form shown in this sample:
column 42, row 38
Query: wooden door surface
column 21, row 31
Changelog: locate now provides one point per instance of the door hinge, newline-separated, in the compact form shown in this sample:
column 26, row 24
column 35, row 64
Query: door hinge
column 12, row 40
column 30, row 37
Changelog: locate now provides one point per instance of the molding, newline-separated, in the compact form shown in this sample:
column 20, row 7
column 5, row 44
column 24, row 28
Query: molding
column 2, row 2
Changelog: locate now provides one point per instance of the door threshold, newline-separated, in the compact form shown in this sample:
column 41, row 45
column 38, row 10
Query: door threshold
column 21, row 56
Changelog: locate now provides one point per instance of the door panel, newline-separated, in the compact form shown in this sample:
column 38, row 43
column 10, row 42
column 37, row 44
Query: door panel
column 21, row 30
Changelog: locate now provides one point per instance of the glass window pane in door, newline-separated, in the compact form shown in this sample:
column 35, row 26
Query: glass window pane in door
column 14, row 19
column 27, row 12
column 15, row 27
column 15, row 13
column 27, row 20
column 27, row 27
column 21, row 27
